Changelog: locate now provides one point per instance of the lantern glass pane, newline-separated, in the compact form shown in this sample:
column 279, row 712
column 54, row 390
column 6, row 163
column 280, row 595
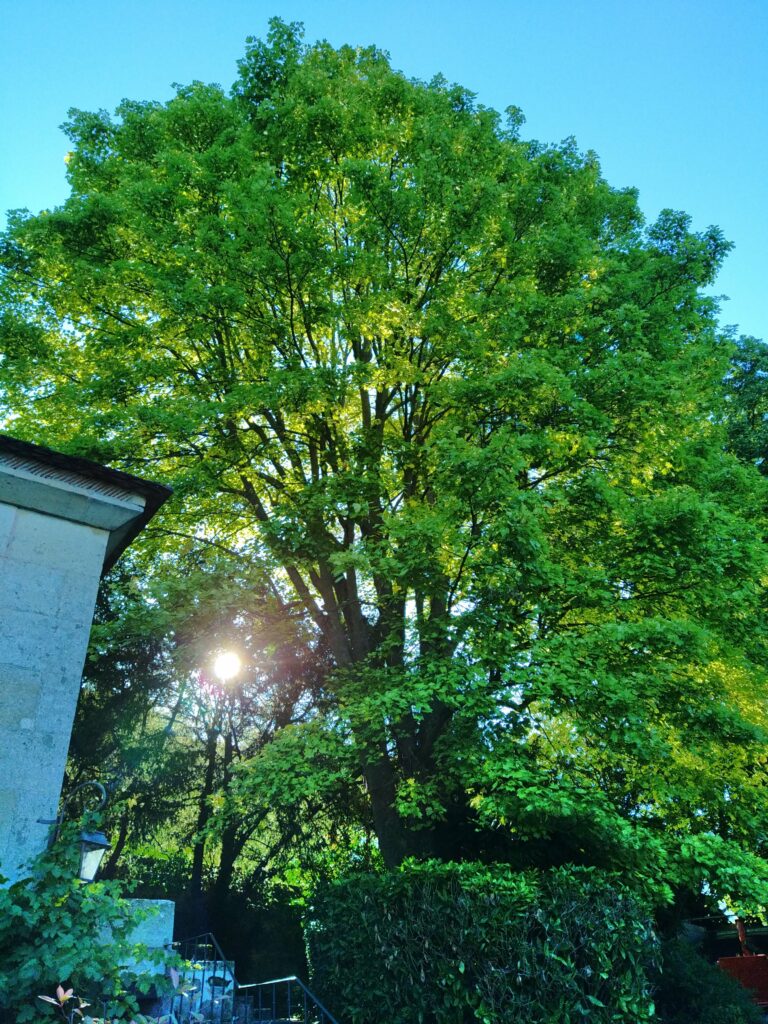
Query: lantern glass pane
column 90, row 859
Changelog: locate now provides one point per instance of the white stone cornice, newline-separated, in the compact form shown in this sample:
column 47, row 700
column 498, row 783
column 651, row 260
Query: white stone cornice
column 27, row 483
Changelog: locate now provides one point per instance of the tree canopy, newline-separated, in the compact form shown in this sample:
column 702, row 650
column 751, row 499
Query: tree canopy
column 459, row 411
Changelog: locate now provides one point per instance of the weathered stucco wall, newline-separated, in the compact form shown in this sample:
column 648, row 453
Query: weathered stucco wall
column 49, row 573
column 62, row 520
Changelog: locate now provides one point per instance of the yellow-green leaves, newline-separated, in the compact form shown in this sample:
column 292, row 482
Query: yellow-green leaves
column 467, row 410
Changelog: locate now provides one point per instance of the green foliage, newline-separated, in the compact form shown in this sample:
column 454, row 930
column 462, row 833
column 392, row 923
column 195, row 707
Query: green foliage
column 458, row 412
column 691, row 989
column 446, row 943
column 155, row 723
column 747, row 395
column 55, row 930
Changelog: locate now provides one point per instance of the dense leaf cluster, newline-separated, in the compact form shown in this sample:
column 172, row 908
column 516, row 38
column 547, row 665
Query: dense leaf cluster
column 453, row 412
column 689, row 988
column 440, row 943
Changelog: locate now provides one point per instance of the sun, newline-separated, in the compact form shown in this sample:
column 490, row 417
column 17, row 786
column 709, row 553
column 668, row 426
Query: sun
column 226, row 665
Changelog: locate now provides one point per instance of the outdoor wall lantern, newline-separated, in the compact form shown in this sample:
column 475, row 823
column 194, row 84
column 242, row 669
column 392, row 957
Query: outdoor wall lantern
column 93, row 845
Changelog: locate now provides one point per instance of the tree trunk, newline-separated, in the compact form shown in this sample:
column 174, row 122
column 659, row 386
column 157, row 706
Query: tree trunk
column 203, row 814
column 231, row 841
column 231, row 845
column 396, row 839
column 109, row 870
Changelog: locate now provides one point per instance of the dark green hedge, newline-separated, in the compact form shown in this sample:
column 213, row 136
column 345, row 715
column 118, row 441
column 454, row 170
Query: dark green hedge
column 455, row 944
column 689, row 989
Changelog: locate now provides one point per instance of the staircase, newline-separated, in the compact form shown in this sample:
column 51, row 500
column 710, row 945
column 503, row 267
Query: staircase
column 209, row 993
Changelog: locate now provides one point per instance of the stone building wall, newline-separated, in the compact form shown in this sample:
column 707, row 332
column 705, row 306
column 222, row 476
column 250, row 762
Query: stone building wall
column 49, row 572
column 62, row 521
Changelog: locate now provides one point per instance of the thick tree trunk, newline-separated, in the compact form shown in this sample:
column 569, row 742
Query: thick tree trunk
column 230, row 851
column 397, row 840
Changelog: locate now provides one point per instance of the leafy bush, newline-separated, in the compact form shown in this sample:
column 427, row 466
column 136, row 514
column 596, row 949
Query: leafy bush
column 690, row 989
column 456, row 943
column 55, row 929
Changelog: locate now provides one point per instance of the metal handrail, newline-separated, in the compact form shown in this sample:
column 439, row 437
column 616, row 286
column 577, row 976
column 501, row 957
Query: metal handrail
column 205, row 939
column 300, row 983
column 272, row 981
column 308, row 1001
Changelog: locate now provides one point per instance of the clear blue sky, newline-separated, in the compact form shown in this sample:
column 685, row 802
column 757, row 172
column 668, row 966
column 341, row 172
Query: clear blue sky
column 671, row 94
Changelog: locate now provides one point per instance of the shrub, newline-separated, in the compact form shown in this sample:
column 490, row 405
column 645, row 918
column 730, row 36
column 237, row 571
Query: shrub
column 452, row 944
column 55, row 930
column 690, row 989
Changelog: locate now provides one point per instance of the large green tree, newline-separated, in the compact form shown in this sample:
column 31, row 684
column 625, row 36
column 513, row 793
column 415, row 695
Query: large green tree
column 462, row 404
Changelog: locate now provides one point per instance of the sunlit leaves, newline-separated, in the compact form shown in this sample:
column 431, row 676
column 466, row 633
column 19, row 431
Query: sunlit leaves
column 462, row 406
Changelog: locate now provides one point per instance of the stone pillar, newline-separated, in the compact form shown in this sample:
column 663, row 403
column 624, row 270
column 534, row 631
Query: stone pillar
column 155, row 932
column 62, row 522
